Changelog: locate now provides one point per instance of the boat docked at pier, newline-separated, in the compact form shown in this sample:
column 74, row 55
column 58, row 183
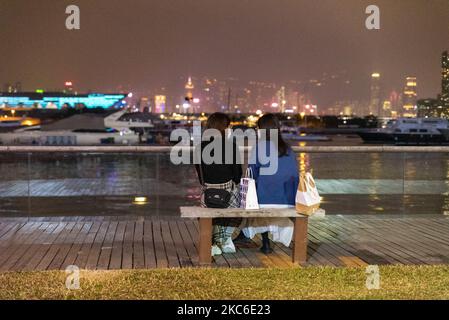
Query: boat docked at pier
column 81, row 129
column 409, row 131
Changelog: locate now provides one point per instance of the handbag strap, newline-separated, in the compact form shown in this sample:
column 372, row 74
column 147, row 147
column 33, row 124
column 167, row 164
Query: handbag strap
column 249, row 173
column 202, row 182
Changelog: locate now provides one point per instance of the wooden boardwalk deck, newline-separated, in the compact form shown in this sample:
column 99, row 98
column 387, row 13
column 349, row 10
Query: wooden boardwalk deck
column 138, row 242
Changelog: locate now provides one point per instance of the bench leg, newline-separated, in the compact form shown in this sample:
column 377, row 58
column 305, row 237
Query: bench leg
column 300, row 238
column 205, row 244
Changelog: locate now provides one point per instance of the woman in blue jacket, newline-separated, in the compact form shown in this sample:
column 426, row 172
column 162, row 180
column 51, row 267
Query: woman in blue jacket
column 276, row 189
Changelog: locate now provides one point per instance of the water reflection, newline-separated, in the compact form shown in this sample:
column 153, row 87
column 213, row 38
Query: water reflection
column 109, row 184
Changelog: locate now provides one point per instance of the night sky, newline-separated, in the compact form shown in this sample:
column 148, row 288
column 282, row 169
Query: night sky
column 149, row 43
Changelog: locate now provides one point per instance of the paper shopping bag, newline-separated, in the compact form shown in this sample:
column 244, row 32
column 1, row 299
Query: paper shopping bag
column 248, row 192
column 307, row 198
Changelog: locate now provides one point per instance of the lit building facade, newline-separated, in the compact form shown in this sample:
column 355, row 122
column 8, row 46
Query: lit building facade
column 445, row 80
column 431, row 108
column 409, row 98
column 375, row 101
column 160, row 103
column 187, row 106
column 57, row 100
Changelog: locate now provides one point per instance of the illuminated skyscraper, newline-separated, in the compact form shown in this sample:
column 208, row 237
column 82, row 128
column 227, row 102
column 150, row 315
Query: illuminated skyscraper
column 160, row 103
column 187, row 106
column 445, row 80
column 375, row 103
column 410, row 97
column 280, row 97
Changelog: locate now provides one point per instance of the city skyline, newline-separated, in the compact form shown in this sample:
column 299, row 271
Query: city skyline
column 150, row 44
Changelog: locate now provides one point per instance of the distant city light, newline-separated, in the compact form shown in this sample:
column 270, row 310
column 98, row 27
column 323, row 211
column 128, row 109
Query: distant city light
column 375, row 75
column 130, row 95
column 196, row 100
column 186, row 105
column 259, row 112
column 40, row 91
column 68, row 83
column 275, row 105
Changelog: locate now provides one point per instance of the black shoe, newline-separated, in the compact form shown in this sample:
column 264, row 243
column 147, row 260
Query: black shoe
column 266, row 250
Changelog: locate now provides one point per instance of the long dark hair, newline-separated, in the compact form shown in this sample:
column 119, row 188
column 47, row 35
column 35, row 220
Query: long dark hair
column 270, row 121
column 218, row 121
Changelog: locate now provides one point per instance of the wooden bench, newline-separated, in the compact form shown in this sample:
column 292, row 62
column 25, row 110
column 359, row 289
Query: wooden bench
column 205, row 216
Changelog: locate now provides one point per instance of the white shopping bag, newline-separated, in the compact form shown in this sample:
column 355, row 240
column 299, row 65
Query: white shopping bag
column 248, row 192
column 307, row 198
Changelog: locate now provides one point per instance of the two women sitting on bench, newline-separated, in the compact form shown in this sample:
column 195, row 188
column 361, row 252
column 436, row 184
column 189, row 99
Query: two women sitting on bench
column 277, row 190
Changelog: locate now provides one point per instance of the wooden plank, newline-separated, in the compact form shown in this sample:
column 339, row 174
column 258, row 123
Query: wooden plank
column 138, row 249
column 159, row 246
column 427, row 249
column 49, row 255
column 364, row 246
column 148, row 245
column 75, row 249
column 7, row 227
column 189, row 242
column 83, row 253
column 180, row 247
column 128, row 239
column 15, row 238
column 342, row 248
column 200, row 212
column 242, row 259
column 16, row 229
column 385, row 245
column 95, row 250
column 107, row 247
column 170, row 249
column 252, row 257
column 65, row 246
column 38, row 248
column 21, row 246
column 117, row 246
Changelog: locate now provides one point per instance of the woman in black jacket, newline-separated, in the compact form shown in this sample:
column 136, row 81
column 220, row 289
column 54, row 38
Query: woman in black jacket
column 222, row 174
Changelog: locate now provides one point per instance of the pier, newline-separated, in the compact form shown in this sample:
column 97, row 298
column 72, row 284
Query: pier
column 99, row 228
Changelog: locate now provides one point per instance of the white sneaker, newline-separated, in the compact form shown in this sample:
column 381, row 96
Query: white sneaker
column 228, row 246
column 216, row 251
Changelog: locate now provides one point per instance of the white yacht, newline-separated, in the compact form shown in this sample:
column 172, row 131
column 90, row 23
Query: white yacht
column 409, row 131
column 82, row 129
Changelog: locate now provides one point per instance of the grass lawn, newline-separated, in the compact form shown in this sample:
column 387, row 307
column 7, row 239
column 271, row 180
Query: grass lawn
column 396, row 282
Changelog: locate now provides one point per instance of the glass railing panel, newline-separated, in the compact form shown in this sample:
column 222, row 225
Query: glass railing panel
column 357, row 183
column 149, row 184
column 426, row 183
column 69, row 184
column 14, row 185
